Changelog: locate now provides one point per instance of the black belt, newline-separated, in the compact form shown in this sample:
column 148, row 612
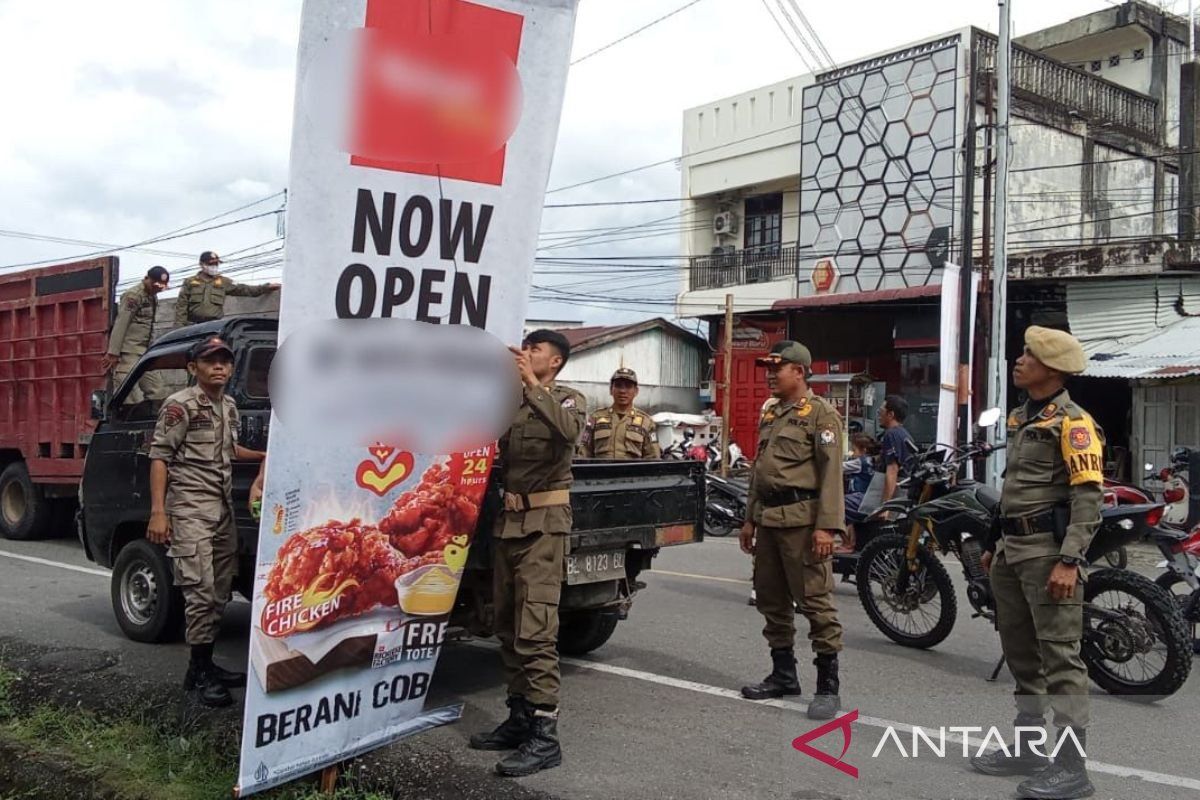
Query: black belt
column 1028, row 526
column 785, row 497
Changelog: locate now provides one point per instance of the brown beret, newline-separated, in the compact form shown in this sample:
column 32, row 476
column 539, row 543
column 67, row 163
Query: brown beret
column 1058, row 350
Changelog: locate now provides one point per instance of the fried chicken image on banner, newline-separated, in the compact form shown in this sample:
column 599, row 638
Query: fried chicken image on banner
column 424, row 520
column 350, row 565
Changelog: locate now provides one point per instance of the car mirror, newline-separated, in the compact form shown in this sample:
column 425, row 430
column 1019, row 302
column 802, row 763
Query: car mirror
column 989, row 418
column 99, row 403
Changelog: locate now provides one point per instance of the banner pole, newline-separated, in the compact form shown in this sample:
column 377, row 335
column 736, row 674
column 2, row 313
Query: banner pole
column 329, row 777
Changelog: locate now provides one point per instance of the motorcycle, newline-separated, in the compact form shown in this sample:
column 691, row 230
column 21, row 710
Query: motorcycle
column 725, row 504
column 1181, row 578
column 1175, row 487
column 1129, row 622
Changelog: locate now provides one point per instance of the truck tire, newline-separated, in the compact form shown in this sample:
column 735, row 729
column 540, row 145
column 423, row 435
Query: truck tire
column 24, row 512
column 145, row 601
column 581, row 632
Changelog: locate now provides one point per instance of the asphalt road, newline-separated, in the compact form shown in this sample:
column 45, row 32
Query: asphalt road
column 654, row 713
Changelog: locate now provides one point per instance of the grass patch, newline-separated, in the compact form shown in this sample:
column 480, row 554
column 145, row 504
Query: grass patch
column 135, row 758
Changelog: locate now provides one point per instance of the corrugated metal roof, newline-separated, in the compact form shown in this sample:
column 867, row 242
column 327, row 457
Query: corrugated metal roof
column 1106, row 310
column 1170, row 352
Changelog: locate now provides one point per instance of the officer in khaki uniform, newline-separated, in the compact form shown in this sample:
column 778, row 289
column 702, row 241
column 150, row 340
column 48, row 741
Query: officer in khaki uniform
column 621, row 431
column 191, row 488
column 1050, row 508
column 531, row 541
column 132, row 333
column 202, row 297
column 795, row 508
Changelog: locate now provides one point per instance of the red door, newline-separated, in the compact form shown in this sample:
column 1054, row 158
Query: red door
column 751, row 339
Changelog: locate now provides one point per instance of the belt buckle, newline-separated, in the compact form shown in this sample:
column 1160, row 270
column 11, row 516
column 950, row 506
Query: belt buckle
column 1026, row 527
column 513, row 502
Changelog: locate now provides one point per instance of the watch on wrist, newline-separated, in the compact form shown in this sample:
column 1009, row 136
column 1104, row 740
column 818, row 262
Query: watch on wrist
column 1072, row 561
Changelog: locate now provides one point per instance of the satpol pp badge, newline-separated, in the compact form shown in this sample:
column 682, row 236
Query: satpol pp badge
column 827, row 436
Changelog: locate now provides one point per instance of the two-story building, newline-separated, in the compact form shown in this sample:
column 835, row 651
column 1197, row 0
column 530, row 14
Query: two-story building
column 835, row 198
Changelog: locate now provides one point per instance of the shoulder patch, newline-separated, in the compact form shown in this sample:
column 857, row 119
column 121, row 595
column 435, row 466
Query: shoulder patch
column 130, row 301
column 173, row 414
column 804, row 410
column 1080, row 437
column 827, row 436
column 217, row 282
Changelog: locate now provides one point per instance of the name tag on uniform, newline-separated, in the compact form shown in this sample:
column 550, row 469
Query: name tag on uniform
column 201, row 419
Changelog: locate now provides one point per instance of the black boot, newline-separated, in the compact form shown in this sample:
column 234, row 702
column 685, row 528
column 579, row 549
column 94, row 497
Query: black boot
column 1021, row 760
column 782, row 680
column 1066, row 778
column 511, row 733
column 826, row 702
column 226, row 677
column 538, row 752
column 200, row 680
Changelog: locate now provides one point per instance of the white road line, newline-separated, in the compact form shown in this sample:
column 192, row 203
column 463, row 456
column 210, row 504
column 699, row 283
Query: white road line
column 697, row 577
column 48, row 563
column 1164, row 779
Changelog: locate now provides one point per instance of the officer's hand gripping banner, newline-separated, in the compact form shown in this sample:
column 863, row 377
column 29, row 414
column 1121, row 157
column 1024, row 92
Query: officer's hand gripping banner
column 421, row 146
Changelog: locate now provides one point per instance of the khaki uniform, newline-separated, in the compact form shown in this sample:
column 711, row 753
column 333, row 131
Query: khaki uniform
column 131, row 335
column 795, row 489
column 531, row 538
column 629, row 436
column 1055, row 459
column 197, row 441
column 202, row 298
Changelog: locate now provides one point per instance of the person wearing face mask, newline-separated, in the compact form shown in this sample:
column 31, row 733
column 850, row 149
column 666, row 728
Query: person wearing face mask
column 202, row 297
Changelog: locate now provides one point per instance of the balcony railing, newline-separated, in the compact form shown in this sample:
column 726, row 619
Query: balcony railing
column 753, row 265
column 1072, row 91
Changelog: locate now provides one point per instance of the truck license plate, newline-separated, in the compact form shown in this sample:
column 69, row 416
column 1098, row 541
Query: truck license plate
column 593, row 567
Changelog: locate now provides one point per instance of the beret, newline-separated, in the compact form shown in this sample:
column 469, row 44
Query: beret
column 1058, row 350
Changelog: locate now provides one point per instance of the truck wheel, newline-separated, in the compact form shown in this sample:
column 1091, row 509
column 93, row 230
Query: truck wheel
column 147, row 605
column 581, row 632
column 24, row 512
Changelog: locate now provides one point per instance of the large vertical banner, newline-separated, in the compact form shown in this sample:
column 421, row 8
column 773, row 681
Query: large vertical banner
column 421, row 147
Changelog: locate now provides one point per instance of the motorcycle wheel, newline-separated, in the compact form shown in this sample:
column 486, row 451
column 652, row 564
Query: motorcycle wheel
column 1117, row 559
column 714, row 527
column 1146, row 653
column 924, row 615
column 1187, row 600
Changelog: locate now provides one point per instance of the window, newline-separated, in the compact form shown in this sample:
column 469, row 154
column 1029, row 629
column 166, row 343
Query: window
column 258, row 372
column 764, row 222
column 1095, row 66
column 146, row 390
column 1139, row 54
column 1114, row 61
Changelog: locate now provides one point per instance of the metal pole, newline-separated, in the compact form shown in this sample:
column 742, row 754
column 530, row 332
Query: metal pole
column 998, row 363
column 1191, row 30
column 727, row 396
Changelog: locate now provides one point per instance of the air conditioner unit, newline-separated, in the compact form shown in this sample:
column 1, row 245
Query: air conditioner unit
column 724, row 255
column 724, row 222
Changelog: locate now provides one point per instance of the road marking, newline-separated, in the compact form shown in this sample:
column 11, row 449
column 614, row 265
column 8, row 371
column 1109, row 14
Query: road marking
column 1161, row 778
column 48, row 563
column 698, row 577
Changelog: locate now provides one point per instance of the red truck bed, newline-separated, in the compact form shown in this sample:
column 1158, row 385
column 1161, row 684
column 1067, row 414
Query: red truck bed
column 54, row 324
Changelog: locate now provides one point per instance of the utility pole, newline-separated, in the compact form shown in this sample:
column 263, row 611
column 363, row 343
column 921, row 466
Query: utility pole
column 1191, row 30
column 727, row 386
column 997, row 363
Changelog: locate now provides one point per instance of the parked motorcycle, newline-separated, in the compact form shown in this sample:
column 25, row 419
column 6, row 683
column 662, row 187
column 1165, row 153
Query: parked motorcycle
column 1130, row 624
column 725, row 504
column 1175, row 487
column 1181, row 578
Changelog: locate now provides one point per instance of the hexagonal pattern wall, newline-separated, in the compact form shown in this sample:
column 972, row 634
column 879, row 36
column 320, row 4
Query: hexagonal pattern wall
column 877, row 169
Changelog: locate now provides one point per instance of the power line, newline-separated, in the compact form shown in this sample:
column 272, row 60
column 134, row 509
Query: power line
column 633, row 33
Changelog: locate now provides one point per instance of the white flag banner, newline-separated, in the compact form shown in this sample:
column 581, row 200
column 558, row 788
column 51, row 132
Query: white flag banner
column 421, row 147
column 951, row 319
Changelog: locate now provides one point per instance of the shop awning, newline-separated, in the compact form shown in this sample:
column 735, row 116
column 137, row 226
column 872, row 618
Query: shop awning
column 857, row 298
column 1169, row 352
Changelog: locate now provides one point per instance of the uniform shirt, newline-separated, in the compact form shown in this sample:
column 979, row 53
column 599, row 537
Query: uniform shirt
column 196, row 439
column 536, row 454
column 610, row 434
column 1055, row 457
column 134, row 326
column 202, row 297
column 799, row 447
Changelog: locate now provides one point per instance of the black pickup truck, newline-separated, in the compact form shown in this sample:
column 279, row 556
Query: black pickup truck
column 624, row 511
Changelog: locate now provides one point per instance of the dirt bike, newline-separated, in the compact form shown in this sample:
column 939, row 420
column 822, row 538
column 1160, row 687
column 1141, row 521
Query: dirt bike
column 1181, row 578
column 1129, row 622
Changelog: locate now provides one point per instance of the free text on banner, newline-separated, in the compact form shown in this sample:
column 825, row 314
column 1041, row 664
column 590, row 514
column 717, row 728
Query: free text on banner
column 421, row 147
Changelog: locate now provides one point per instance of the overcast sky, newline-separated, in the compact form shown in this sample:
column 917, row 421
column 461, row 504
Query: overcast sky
column 124, row 121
